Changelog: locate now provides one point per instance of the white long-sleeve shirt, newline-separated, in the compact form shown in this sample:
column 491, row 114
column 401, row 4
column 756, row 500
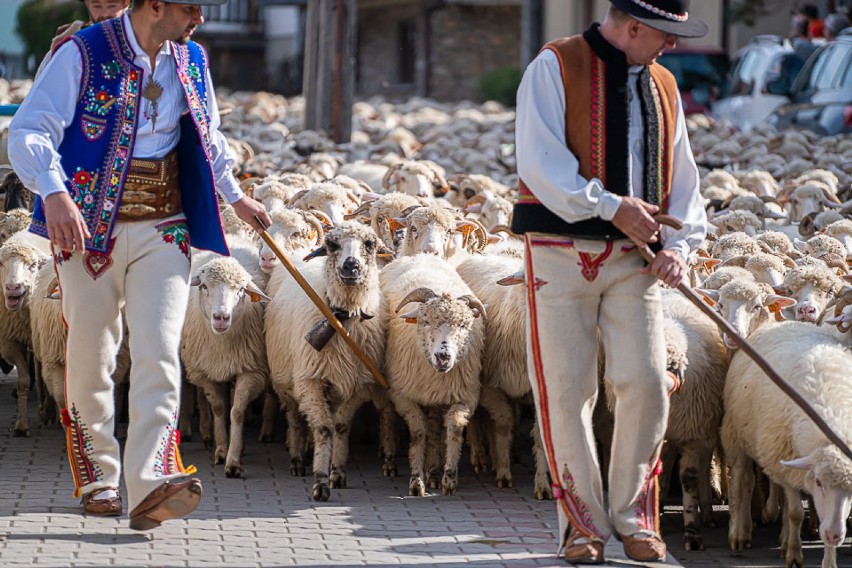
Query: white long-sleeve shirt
column 551, row 170
column 39, row 125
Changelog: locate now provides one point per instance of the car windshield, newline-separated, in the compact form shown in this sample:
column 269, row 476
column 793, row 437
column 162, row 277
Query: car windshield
column 746, row 71
column 693, row 70
column 827, row 69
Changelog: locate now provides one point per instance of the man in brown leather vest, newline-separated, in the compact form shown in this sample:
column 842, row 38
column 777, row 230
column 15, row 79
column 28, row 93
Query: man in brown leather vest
column 601, row 147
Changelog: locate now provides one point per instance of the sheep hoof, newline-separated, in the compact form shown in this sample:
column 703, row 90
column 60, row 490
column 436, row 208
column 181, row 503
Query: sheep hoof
column 693, row 542
column 416, row 487
column 544, row 493
column 320, row 492
column 265, row 437
column 389, row 468
column 219, row 456
column 505, row 482
column 21, row 433
column 233, row 471
column 297, row 467
column 337, row 479
column 449, row 484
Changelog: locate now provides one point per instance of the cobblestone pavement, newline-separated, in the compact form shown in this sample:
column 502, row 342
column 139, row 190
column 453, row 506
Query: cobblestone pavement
column 268, row 519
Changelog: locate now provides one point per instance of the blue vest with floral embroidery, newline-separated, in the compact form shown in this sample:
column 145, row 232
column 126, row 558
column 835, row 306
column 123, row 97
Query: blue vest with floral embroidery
column 98, row 144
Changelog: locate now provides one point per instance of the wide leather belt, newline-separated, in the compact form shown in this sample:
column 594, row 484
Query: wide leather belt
column 151, row 189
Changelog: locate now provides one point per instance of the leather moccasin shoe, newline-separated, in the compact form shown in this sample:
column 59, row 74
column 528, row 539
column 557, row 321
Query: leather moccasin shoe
column 582, row 550
column 644, row 547
column 102, row 507
column 173, row 499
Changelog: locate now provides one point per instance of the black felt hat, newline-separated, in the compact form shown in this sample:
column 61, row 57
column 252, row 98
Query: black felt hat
column 669, row 16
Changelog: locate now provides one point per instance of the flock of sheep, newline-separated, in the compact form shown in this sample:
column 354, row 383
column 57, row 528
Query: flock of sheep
column 404, row 232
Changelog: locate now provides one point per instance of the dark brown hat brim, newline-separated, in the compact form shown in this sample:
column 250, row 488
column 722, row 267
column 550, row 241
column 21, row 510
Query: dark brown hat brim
column 692, row 27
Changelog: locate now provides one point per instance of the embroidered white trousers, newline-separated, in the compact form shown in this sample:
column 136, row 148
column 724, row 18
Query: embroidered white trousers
column 571, row 294
column 146, row 273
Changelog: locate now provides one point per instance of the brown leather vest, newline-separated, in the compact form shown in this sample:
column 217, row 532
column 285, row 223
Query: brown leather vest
column 597, row 121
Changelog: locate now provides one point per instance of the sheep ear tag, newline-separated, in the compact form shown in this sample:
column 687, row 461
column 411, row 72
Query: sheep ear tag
column 256, row 294
column 394, row 225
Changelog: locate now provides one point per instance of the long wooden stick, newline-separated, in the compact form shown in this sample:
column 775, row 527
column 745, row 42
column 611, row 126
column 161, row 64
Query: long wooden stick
column 746, row 347
column 322, row 306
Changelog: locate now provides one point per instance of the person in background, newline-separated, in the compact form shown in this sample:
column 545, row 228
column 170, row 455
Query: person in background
column 815, row 24
column 834, row 24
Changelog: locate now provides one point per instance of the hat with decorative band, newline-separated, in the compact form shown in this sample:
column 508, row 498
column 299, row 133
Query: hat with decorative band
column 669, row 16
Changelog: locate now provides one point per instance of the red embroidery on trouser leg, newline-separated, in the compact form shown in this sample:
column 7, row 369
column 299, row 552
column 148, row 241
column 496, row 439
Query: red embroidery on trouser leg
column 591, row 263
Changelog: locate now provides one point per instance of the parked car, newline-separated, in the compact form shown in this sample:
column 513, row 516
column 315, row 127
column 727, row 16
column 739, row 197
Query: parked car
column 822, row 93
column 700, row 74
column 761, row 76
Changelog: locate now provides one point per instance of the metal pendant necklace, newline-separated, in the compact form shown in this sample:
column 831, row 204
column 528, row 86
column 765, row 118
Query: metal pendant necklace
column 152, row 92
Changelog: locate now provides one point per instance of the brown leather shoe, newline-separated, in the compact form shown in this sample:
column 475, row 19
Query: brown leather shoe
column 591, row 552
column 106, row 507
column 644, row 548
column 173, row 499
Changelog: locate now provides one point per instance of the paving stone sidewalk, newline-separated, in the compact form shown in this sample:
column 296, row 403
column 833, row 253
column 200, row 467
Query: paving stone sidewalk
column 268, row 519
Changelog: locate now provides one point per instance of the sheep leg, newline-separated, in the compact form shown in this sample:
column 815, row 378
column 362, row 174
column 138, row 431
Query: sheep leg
column 740, row 492
column 295, row 436
column 543, row 489
column 497, row 405
column 205, row 420
column 188, row 404
column 772, row 507
column 343, row 416
column 53, row 375
column 705, row 491
column 690, row 472
column 478, row 457
column 271, row 406
column 791, row 539
column 455, row 421
column 415, row 418
column 216, row 396
column 387, row 431
column 433, row 447
column 724, row 475
column 17, row 356
column 315, row 407
column 248, row 387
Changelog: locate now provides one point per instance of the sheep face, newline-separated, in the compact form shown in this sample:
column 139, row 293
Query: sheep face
column 746, row 305
column 19, row 266
column 812, row 287
column 351, row 251
column 428, row 230
column 291, row 230
column 443, row 330
column 806, row 199
column 224, row 289
column 829, row 481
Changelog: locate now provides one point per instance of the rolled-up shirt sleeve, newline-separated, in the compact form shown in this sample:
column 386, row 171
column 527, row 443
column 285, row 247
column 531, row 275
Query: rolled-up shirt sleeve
column 545, row 163
column 38, row 127
column 222, row 158
column 685, row 201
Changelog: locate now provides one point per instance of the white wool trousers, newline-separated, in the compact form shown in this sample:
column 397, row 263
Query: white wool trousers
column 573, row 288
column 147, row 274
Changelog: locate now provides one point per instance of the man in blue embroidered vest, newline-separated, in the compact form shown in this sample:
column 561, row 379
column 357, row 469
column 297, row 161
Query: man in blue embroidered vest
column 119, row 138
column 602, row 145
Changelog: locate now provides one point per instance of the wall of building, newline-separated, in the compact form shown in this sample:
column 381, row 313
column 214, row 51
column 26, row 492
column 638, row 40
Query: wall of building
column 468, row 41
column 378, row 70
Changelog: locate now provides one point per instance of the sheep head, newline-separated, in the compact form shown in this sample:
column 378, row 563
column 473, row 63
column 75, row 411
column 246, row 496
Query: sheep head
column 224, row 289
column 444, row 325
column 427, row 230
column 19, row 265
column 291, row 230
column 812, row 287
column 746, row 305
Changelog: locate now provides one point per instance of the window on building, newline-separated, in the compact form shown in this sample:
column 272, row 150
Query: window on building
column 406, row 41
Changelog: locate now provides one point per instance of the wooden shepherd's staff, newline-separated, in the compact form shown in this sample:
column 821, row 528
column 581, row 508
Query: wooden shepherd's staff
column 322, row 306
column 744, row 345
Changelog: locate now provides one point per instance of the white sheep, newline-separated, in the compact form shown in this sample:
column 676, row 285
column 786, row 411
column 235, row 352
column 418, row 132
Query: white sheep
column 335, row 200
column 291, row 229
column 434, row 359
column 420, row 178
column 504, row 366
column 330, row 384
column 782, row 440
column 812, row 287
column 21, row 256
column 222, row 342
column 494, row 212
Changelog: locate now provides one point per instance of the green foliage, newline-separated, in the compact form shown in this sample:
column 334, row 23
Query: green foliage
column 37, row 21
column 500, row 85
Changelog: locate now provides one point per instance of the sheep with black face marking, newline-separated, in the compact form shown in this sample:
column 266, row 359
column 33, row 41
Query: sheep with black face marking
column 330, row 384
column 433, row 361
column 222, row 343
